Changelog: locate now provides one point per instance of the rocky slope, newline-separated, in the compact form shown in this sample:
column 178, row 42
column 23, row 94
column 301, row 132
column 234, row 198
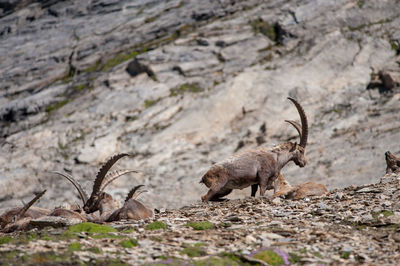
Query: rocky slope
column 210, row 77
column 355, row 225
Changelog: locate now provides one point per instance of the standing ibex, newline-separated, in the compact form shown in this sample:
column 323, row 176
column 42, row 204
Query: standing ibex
column 392, row 163
column 260, row 167
column 132, row 209
column 100, row 200
column 19, row 218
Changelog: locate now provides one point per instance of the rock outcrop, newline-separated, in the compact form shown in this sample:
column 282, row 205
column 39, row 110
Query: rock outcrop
column 222, row 71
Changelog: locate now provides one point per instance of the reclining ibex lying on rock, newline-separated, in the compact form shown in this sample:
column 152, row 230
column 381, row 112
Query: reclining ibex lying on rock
column 259, row 167
column 132, row 209
column 18, row 218
column 100, row 200
column 300, row 191
column 392, row 163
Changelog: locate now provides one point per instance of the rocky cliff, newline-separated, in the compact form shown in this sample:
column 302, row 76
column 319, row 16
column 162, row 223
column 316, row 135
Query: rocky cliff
column 182, row 84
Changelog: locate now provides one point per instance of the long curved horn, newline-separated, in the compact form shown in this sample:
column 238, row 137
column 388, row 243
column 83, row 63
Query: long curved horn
column 81, row 192
column 27, row 206
column 296, row 126
column 132, row 192
column 304, row 123
column 103, row 171
column 114, row 175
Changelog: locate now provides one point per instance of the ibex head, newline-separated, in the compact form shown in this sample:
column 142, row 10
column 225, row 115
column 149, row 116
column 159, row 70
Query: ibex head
column 98, row 197
column 298, row 150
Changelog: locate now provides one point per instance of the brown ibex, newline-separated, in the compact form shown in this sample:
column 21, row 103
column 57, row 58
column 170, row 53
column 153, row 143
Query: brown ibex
column 100, row 200
column 19, row 218
column 392, row 163
column 132, row 209
column 259, row 167
column 299, row 191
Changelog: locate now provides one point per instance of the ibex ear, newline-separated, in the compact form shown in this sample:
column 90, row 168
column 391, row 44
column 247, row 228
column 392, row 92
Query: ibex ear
column 294, row 147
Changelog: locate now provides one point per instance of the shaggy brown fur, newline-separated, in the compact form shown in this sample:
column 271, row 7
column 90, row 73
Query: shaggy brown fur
column 260, row 167
column 392, row 163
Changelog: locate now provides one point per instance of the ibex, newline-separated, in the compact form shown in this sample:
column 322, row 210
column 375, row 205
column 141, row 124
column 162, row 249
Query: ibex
column 299, row 191
column 132, row 209
column 100, row 200
column 392, row 163
column 259, row 167
column 19, row 218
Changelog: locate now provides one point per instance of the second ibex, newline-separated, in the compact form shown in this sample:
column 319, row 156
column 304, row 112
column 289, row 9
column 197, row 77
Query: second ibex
column 259, row 167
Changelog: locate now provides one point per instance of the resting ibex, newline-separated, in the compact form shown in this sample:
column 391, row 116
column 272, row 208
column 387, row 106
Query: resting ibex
column 392, row 163
column 260, row 167
column 100, row 200
column 19, row 218
column 132, row 209
column 299, row 191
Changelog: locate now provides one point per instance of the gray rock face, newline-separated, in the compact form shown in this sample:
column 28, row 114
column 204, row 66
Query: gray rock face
column 221, row 69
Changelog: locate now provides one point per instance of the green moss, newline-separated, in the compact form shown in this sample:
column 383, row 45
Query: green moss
column 5, row 240
column 187, row 87
column 156, row 225
column 91, row 228
column 94, row 230
column 193, row 252
column 263, row 27
column 95, row 250
column 80, row 87
column 150, row 19
column 149, row 103
column 52, row 107
column 360, row 3
column 294, row 258
column 317, row 254
column 49, row 258
column 75, row 246
column 270, row 257
column 222, row 260
column 383, row 213
column 128, row 230
column 118, row 59
column 201, row 225
column 395, row 46
column 345, row 254
column 129, row 243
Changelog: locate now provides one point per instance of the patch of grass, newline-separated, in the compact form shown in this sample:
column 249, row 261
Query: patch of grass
column 345, row 254
column 91, row 228
column 294, row 258
column 49, row 258
column 53, row 107
column 118, row 59
column 317, row 254
column 201, row 225
column 395, row 46
column 94, row 250
column 360, row 3
column 150, row 19
column 129, row 243
column 80, row 87
column 149, row 103
column 75, row 246
column 156, row 225
column 96, row 231
column 383, row 213
column 128, row 230
column 5, row 240
column 187, row 87
column 270, row 257
column 263, row 27
column 193, row 251
column 223, row 259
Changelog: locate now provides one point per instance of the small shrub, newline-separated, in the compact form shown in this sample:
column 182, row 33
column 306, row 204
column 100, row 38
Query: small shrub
column 156, row 225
